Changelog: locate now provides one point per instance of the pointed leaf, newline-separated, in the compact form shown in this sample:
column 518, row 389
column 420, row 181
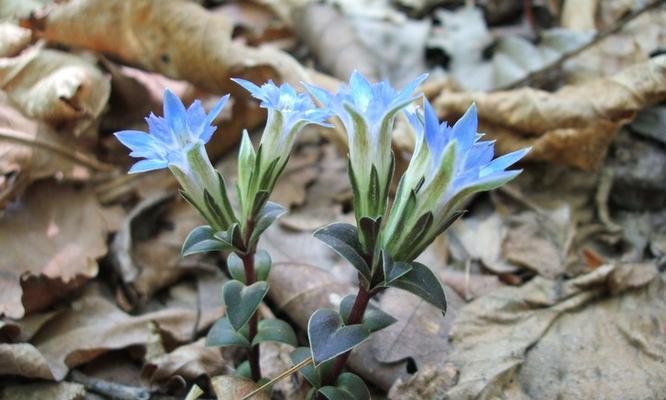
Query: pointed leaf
column 335, row 393
column 353, row 385
column 421, row 281
column 275, row 330
column 202, row 239
column 370, row 228
column 222, row 334
column 330, row 338
column 243, row 370
column 343, row 239
column 242, row 301
column 269, row 213
column 309, row 372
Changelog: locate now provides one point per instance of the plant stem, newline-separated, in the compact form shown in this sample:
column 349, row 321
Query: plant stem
column 253, row 352
column 355, row 317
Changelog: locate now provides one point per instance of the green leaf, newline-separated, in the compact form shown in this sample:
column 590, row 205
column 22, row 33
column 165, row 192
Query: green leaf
column 222, row 334
column 347, row 387
column 242, row 301
column 330, row 338
column 262, row 265
column 232, row 236
column 269, row 213
column 311, row 373
column 275, row 330
column 343, row 239
column 393, row 270
column 421, row 281
column 202, row 239
column 243, row 370
column 236, row 267
column 374, row 318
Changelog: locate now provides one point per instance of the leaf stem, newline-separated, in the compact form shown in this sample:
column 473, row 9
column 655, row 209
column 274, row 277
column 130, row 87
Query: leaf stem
column 355, row 317
column 250, row 278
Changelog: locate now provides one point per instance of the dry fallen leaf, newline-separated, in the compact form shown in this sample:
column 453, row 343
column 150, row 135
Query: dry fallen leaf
column 576, row 338
column 30, row 150
column 572, row 126
column 29, row 391
column 177, row 38
column 56, row 87
column 232, row 387
column 13, row 39
column 64, row 232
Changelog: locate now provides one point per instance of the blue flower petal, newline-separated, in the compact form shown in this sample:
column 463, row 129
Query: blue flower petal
column 147, row 165
column 176, row 114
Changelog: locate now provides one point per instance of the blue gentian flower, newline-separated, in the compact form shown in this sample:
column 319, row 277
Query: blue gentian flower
column 448, row 165
column 176, row 141
column 367, row 112
column 288, row 112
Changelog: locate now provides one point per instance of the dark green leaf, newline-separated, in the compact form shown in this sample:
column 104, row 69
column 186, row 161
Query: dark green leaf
column 330, row 338
column 370, row 228
column 266, row 217
column 262, row 265
column 236, row 267
column 309, row 372
column 275, row 330
column 393, row 270
column 374, row 318
column 343, row 239
column 222, row 334
column 202, row 239
column 243, row 370
column 242, row 301
column 347, row 387
column 421, row 281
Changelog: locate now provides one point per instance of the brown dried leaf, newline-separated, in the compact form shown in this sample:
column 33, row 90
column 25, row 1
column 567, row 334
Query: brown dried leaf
column 30, row 150
column 13, row 39
column 572, row 126
column 55, row 87
column 232, row 387
column 187, row 362
column 421, row 333
column 553, row 334
column 177, row 38
column 64, row 232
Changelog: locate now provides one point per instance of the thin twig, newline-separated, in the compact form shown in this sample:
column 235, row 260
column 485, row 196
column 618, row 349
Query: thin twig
column 283, row 375
column 110, row 389
column 616, row 27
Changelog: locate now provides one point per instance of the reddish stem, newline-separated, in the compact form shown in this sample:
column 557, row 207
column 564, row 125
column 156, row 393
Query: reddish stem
column 355, row 317
column 253, row 352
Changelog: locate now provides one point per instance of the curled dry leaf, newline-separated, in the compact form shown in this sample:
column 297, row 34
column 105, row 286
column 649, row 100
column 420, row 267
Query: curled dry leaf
column 572, row 126
column 56, row 87
column 90, row 327
column 565, row 339
column 13, row 39
column 177, row 38
column 188, row 362
column 64, row 231
column 30, row 150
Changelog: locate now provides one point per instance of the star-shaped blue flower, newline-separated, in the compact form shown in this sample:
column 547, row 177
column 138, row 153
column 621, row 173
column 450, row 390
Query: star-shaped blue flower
column 449, row 164
column 170, row 137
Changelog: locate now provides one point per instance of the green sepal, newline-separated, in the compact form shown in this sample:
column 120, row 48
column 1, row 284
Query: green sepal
column 202, row 239
column 426, row 240
column 329, row 337
column 347, row 387
column 262, row 265
column 242, row 301
column 268, row 214
column 236, row 267
column 343, row 239
column 275, row 330
column 222, row 334
column 369, row 228
column 232, row 237
column 393, row 269
column 225, row 197
column 375, row 191
column 414, row 236
column 197, row 207
column 214, row 209
column 374, row 318
column 421, row 281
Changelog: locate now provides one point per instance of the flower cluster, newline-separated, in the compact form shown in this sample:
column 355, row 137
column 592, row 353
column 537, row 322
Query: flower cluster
column 449, row 164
